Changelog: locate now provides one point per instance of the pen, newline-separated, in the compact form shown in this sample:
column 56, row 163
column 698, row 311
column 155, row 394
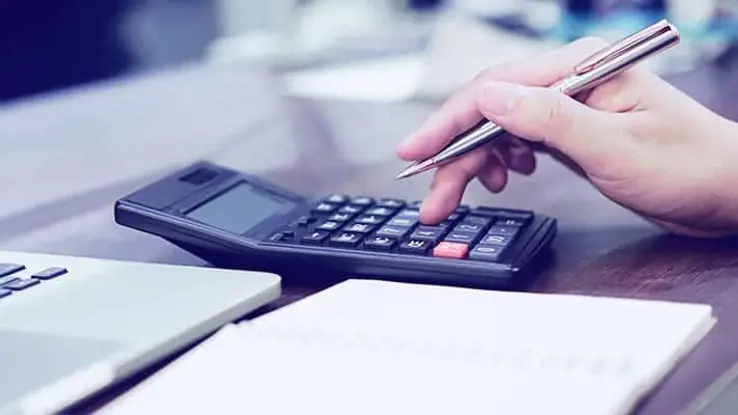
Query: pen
column 589, row 73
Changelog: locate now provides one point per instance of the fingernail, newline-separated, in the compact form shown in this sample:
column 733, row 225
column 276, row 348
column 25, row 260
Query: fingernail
column 498, row 98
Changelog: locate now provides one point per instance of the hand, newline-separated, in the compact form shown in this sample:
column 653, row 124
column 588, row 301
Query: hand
column 641, row 142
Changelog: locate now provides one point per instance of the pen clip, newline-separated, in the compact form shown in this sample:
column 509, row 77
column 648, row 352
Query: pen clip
column 622, row 46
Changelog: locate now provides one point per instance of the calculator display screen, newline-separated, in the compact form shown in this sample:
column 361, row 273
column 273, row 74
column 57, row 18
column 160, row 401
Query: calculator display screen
column 239, row 208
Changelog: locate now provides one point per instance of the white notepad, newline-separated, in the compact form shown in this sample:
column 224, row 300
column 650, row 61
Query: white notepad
column 373, row 347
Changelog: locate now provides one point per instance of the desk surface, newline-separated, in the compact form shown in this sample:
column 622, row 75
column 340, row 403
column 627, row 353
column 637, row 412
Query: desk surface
column 66, row 158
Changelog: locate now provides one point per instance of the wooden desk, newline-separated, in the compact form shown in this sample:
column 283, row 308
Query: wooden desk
column 66, row 159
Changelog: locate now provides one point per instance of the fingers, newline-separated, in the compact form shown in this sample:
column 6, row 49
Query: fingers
column 551, row 118
column 460, row 111
column 447, row 187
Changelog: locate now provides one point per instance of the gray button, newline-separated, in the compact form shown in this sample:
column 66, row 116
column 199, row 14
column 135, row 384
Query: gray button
column 486, row 253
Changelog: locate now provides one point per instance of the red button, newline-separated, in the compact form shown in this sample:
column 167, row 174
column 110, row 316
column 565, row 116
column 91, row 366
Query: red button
column 451, row 250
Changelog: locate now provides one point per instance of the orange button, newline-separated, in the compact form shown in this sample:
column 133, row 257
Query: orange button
column 451, row 250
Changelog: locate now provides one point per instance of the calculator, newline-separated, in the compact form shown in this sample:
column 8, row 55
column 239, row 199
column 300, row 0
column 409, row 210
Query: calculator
column 232, row 219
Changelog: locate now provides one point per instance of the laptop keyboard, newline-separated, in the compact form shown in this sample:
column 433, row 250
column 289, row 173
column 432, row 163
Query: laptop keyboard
column 11, row 280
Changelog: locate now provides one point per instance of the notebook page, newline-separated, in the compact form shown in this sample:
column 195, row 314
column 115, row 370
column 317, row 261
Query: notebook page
column 377, row 347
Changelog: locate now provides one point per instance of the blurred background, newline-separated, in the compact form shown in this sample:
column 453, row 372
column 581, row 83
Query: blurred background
column 381, row 50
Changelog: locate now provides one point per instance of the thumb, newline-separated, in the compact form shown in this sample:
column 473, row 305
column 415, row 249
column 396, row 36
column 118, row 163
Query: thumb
column 550, row 117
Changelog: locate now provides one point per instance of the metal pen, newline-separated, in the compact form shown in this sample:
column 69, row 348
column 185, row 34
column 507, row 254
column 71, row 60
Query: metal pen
column 591, row 72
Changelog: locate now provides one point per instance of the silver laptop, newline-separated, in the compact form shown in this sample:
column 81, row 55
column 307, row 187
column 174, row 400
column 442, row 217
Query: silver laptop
column 70, row 326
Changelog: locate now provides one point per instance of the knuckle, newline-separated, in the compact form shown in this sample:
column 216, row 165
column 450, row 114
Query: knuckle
column 555, row 119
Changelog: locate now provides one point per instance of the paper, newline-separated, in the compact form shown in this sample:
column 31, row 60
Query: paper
column 368, row 347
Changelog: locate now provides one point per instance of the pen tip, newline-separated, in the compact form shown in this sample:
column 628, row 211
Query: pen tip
column 415, row 168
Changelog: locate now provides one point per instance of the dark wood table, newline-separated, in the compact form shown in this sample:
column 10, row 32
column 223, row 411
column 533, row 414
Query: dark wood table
column 321, row 147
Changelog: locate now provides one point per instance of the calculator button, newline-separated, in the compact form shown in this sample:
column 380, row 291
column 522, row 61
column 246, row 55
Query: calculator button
column 416, row 247
column 379, row 243
column 361, row 201
column 351, row 210
column 462, row 236
column 328, row 225
column 450, row 250
column 325, row 208
column 305, row 221
column 400, row 221
column 453, row 217
column 415, row 204
column 427, row 233
column 359, row 228
column 279, row 237
column 4, row 292
column 503, row 230
column 391, row 203
column 469, row 227
column 337, row 199
column 49, row 273
column 393, row 231
column 408, row 213
column 21, row 284
column 340, row 217
column 462, row 209
column 380, row 211
column 345, row 239
column 488, row 253
column 316, row 237
column 9, row 269
column 499, row 240
column 371, row 219
column 479, row 220
column 510, row 222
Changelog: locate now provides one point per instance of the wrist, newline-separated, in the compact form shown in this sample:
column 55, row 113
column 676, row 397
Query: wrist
column 725, row 185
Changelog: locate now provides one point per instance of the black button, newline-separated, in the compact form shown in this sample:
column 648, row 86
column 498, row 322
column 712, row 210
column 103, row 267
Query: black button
column 393, row 231
column 488, row 253
column 316, row 237
column 351, row 210
column 4, row 292
column 498, row 240
column 337, row 199
column 461, row 236
column 503, row 230
column 479, row 220
column 379, row 243
column 427, row 233
column 371, row 220
column 400, row 221
column 305, row 221
column 340, row 217
column 8, row 269
column 324, row 208
column 468, row 227
column 346, row 239
column 362, row 201
column 380, row 211
column 414, row 246
column 21, row 284
column 50, row 273
column 415, row 204
column 328, row 225
column 462, row 209
column 359, row 228
column 508, row 218
column 408, row 213
column 453, row 217
column 391, row 203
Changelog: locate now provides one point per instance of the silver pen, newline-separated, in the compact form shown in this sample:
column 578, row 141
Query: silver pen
column 591, row 72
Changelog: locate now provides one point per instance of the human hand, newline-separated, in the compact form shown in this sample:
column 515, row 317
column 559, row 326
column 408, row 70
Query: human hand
column 642, row 143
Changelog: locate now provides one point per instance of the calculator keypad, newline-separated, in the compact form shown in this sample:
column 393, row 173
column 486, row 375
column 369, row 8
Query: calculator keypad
column 393, row 225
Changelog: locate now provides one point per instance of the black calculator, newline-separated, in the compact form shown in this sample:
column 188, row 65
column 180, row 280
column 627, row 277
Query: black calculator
column 232, row 219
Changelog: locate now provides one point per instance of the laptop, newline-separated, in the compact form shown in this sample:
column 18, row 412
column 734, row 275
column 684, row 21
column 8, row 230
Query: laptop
column 71, row 326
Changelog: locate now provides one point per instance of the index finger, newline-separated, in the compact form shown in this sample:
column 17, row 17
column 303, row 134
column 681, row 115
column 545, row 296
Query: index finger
column 460, row 111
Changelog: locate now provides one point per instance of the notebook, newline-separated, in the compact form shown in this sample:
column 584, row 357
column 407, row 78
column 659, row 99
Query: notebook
column 376, row 347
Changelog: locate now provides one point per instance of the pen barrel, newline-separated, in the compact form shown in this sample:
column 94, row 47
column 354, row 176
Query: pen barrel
column 483, row 133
